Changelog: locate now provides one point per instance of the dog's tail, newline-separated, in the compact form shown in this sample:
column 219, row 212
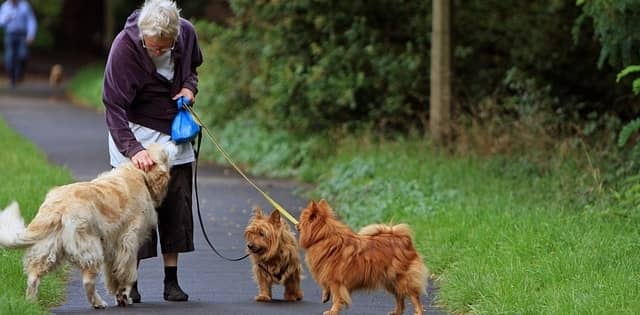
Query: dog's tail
column 401, row 232
column 11, row 226
column 13, row 232
column 417, row 272
column 379, row 229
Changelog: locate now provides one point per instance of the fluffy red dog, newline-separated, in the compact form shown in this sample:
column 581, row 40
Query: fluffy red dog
column 379, row 256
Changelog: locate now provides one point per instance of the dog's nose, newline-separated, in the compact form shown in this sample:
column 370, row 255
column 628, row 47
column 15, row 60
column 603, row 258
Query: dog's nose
column 250, row 246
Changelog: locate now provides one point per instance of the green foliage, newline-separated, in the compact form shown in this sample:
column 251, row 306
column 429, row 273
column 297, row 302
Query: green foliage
column 306, row 66
column 616, row 26
column 192, row 8
column 48, row 14
column 625, row 72
column 226, row 75
column 85, row 87
column 493, row 37
column 272, row 153
column 368, row 187
column 316, row 65
column 628, row 130
column 628, row 166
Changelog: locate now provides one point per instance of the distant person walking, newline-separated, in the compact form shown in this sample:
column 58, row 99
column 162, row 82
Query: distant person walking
column 20, row 24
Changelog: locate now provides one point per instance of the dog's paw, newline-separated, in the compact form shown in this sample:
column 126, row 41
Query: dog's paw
column 100, row 304
column 293, row 296
column 123, row 300
column 263, row 298
column 326, row 295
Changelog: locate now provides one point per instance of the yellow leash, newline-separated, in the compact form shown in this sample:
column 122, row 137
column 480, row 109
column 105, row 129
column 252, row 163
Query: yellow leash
column 284, row 212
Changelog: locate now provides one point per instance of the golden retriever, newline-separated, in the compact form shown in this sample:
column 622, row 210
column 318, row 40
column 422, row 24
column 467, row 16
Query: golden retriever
column 92, row 224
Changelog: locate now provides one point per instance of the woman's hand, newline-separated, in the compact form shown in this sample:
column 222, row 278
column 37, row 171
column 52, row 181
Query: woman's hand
column 142, row 160
column 186, row 93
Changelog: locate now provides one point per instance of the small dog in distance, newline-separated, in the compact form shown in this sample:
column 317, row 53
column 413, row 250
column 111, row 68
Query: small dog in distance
column 56, row 76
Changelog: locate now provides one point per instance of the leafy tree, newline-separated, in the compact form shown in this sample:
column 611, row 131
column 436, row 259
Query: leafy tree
column 316, row 65
column 48, row 14
column 328, row 64
column 616, row 26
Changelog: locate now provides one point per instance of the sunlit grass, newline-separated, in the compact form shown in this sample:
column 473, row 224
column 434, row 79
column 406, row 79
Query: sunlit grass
column 501, row 237
column 26, row 177
column 86, row 86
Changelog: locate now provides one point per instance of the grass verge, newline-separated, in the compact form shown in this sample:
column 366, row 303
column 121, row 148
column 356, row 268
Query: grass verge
column 26, row 178
column 86, row 86
column 503, row 236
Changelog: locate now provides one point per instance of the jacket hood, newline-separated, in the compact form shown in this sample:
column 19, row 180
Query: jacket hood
column 131, row 26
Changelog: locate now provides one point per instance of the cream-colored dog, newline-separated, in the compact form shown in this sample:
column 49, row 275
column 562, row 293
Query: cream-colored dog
column 92, row 224
column 56, row 75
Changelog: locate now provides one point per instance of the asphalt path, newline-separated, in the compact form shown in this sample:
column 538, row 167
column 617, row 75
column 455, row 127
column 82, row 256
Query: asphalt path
column 76, row 138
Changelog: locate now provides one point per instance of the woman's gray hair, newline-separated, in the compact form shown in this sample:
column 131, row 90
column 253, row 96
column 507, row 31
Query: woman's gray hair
column 159, row 18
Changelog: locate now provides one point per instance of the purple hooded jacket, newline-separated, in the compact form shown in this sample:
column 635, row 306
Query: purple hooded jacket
column 134, row 91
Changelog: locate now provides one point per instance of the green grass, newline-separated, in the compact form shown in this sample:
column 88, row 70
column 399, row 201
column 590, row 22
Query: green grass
column 26, row 177
column 503, row 237
column 86, row 86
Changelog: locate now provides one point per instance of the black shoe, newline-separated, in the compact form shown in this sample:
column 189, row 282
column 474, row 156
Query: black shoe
column 173, row 293
column 134, row 294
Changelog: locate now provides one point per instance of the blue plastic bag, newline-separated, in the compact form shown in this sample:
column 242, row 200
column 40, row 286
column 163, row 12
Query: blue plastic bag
column 184, row 128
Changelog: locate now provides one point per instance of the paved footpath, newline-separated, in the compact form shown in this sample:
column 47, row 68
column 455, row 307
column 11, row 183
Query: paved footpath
column 75, row 138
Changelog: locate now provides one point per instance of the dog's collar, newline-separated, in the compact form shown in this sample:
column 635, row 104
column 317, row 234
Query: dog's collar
column 278, row 276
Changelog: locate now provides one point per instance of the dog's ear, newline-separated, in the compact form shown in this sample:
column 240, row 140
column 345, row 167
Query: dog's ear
column 313, row 210
column 311, row 204
column 257, row 212
column 157, row 183
column 324, row 207
column 275, row 218
column 159, row 154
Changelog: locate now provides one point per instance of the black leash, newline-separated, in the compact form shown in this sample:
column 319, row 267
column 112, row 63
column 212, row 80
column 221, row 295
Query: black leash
column 195, row 186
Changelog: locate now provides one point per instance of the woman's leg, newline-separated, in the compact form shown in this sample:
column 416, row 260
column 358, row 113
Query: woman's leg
column 175, row 227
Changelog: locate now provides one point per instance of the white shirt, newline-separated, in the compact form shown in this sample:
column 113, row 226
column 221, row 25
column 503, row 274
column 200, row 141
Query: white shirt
column 147, row 136
column 164, row 64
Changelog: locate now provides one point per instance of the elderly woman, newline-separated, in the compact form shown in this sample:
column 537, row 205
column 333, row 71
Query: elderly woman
column 152, row 62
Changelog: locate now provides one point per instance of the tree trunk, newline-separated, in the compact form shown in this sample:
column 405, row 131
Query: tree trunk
column 109, row 31
column 440, row 94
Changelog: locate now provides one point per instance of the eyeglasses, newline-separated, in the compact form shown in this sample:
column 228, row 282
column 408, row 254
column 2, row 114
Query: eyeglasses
column 158, row 50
